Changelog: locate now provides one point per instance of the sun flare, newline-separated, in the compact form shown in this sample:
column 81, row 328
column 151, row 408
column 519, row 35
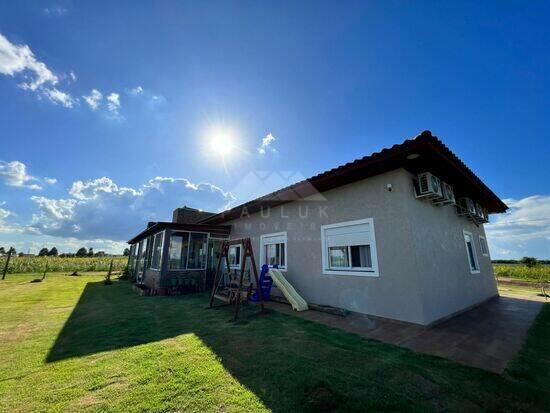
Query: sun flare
column 222, row 144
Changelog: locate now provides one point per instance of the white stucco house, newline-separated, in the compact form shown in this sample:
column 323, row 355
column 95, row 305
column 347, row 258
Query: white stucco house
column 396, row 234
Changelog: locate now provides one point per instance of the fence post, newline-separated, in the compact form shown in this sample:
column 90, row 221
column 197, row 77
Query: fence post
column 7, row 263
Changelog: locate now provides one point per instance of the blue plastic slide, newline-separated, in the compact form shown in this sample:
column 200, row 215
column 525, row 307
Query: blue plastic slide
column 266, row 282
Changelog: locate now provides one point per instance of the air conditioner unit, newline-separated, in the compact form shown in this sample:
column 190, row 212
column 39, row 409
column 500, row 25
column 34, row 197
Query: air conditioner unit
column 479, row 211
column 466, row 207
column 485, row 217
column 478, row 217
column 448, row 195
column 429, row 186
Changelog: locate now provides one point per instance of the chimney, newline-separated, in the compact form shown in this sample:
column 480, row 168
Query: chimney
column 188, row 215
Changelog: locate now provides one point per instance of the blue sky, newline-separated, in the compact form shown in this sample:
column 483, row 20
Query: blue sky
column 108, row 111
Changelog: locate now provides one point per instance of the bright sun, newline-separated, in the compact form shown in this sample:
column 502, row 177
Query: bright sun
column 222, row 144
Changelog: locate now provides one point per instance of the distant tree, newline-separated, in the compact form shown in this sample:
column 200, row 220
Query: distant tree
column 100, row 254
column 13, row 252
column 21, row 254
column 53, row 252
column 126, row 252
column 91, row 252
column 529, row 261
column 82, row 252
column 2, row 250
column 43, row 252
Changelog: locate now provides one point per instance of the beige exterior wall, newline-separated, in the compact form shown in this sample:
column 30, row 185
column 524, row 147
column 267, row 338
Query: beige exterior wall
column 446, row 281
column 423, row 267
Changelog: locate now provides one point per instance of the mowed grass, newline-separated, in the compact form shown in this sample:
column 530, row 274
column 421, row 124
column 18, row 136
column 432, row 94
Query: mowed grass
column 18, row 265
column 74, row 344
column 523, row 291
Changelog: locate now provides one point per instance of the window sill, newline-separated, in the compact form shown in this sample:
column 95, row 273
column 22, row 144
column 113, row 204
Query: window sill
column 352, row 273
column 475, row 271
column 280, row 269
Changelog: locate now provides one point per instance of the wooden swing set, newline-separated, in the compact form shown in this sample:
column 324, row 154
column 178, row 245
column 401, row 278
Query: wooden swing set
column 236, row 291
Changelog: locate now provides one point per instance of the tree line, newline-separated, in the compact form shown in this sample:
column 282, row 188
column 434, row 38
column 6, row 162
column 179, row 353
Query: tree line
column 53, row 252
column 527, row 261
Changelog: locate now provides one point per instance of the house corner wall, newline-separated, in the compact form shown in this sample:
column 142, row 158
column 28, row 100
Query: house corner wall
column 446, row 283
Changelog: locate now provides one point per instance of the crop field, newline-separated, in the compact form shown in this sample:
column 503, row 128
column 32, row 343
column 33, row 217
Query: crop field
column 62, row 264
column 522, row 272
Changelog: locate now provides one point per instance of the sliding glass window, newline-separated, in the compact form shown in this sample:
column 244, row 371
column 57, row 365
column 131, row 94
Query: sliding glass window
column 179, row 245
column 197, row 251
column 187, row 251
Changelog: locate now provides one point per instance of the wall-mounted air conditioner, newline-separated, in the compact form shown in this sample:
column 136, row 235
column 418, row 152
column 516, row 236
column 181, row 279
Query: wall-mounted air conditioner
column 479, row 211
column 485, row 215
column 447, row 195
column 466, row 207
column 429, row 186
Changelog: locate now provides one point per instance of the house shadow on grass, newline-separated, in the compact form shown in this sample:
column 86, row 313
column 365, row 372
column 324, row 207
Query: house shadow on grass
column 113, row 317
column 290, row 364
column 263, row 351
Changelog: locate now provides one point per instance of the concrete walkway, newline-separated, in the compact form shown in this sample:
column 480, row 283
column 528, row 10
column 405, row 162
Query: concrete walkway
column 487, row 337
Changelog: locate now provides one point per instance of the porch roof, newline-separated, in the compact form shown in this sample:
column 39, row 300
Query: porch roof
column 159, row 226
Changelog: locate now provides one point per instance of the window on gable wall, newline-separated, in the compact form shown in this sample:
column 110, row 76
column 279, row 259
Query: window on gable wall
column 273, row 250
column 349, row 248
column 483, row 246
column 471, row 252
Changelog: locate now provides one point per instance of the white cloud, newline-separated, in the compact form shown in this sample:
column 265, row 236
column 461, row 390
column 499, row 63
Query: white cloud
column 59, row 97
column 113, row 104
column 55, row 10
column 93, row 99
column 15, row 174
column 92, row 189
column 266, row 144
column 15, row 59
column 524, row 230
column 56, row 209
column 38, row 78
column 6, row 227
column 101, row 209
column 114, row 101
column 72, row 76
column 138, row 90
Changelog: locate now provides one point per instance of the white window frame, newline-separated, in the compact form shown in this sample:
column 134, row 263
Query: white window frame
column 473, row 269
column 236, row 266
column 161, row 235
column 263, row 243
column 355, row 271
column 483, row 245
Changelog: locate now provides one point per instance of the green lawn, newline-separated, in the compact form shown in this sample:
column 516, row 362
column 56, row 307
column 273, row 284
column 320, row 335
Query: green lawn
column 72, row 343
